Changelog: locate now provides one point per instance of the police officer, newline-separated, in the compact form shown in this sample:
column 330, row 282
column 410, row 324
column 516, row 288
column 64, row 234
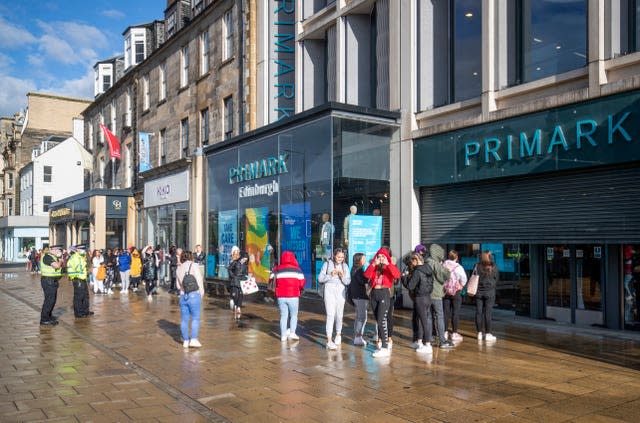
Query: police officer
column 77, row 271
column 50, row 271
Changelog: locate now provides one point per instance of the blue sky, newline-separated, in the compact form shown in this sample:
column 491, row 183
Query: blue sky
column 51, row 45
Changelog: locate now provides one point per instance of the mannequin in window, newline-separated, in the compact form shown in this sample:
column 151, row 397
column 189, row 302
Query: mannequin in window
column 353, row 210
column 326, row 235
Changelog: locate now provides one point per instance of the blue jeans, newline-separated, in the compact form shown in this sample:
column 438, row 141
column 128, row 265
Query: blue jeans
column 438, row 315
column 288, row 309
column 190, row 308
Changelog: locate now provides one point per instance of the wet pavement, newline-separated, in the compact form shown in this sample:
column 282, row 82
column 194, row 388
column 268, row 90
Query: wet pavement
column 127, row 363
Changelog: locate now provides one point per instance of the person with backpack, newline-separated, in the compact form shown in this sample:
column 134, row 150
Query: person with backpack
column 452, row 295
column 334, row 277
column 358, row 291
column 420, row 286
column 440, row 276
column 190, row 285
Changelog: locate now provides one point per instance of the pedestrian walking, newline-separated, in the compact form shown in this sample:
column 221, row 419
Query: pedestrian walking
column 486, row 295
column 452, row 300
column 150, row 265
column 98, row 276
column 358, row 290
column 440, row 276
column 381, row 273
column 124, row 266
column 136, row 269
column 334, row 277
column 238, row 271
column 420, row 285
column 78, row 275
column 111, row 263
column 289, row 282
column 190, row 285
column 51, row 272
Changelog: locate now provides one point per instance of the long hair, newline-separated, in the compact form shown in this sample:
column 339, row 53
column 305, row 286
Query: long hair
column 487, row 264
column 356, row 262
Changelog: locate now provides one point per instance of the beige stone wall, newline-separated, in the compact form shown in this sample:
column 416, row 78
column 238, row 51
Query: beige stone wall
column 54, row 113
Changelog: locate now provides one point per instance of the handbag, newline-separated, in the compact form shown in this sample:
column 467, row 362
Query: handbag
column 472, row 285
column 249, row 286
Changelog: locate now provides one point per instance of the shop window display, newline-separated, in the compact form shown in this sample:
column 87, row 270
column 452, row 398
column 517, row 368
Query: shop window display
column 631, row 283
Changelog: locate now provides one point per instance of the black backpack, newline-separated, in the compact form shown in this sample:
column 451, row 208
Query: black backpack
column 189, row 282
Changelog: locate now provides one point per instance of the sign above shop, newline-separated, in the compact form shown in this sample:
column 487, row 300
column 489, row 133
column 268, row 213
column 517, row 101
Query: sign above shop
column 270, row 166
column 168, row 190
column 116, row 206
column 596, row 132
column 63, row 212
column 254, row 190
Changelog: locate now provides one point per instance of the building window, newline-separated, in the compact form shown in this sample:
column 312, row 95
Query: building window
column 162, row 83
column 46, row 202
column 9, row 206
column 145, row 91
column 139, row 50
column 184, row 66
column 134, row 47
column 550, row 38
column 10, row 180
column 228, row 117
column 227, row 35
column 162, row 146
column 106, row 82
column 103, row 171
column 48, row 173
column 113, row 117
column 204, row 52
column 204, row 126
column 184, row 136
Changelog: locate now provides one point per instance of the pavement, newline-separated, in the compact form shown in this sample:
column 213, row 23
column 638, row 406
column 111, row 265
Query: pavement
column 126, row 363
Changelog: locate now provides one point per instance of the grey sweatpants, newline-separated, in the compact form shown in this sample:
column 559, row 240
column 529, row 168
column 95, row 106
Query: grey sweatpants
column 334, row 305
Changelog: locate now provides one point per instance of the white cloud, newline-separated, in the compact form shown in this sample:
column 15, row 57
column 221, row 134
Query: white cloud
column 5, row 62
column 14, row 37
column 35, row 60
column 70, row 42
column 13, row 95
column 113, row 13
column 81, row 87
column 58, row 50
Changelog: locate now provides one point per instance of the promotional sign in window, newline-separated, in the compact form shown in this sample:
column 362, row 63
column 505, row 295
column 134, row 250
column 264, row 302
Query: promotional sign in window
column 257, row 243
column 365, row 235
column 227, row 238
column 296, row 235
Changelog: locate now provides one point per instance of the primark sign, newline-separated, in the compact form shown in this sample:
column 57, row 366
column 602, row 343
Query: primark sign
column 597, row 132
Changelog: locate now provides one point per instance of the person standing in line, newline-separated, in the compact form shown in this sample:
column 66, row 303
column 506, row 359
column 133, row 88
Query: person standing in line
column 452, row 299
column 289, row 282
column 190, row 299
column 96, row 262
column 136, row 269
column 334, row 276
column 381, row 273
column 78, row 275
column 238, row 271
column 421, row 285
column 358, row 289
column 200, row 258
column 124, row 264
column 440, row 276
column 51, row 272
column 150, row 265
column 416, row 326
column 486, row 295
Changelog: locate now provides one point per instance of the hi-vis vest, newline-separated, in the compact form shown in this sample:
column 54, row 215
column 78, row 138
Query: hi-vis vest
column 48, row 271
column 77, row 267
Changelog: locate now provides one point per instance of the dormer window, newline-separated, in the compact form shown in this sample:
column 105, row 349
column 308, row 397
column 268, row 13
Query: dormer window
column 135, row 47
column 103, row 78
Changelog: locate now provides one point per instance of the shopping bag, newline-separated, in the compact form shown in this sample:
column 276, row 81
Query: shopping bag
column 249, row 286
column 472, row 283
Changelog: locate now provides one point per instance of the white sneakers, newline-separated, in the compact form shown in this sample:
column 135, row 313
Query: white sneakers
column 185, row 344
column 417, row 344
column 283, row 338
column 382, row 352
column 194, row 343
column 479, row 336
column 425, row 349
column 489, row 337
column 293, row 337
column 331, row 345
column 231, row 305
column 456, row 337
column 338, row 339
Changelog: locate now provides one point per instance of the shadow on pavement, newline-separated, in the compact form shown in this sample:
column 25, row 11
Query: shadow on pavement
column 172, row 329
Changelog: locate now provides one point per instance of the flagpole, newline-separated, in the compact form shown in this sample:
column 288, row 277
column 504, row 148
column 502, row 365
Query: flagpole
column 113, row 173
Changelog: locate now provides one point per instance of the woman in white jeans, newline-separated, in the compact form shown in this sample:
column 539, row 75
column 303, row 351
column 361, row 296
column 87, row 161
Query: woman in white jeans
column 334, row 276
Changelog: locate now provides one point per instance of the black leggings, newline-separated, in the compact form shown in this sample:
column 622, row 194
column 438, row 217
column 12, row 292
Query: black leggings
column 484, row 309
column 236, row 295
column 380, row 300
column 451, row 306
column 422, row 306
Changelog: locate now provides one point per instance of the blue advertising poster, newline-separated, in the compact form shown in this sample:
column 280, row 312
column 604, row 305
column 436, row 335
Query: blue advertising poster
column 227, row 238
column 365, row 235
column 144, row 156
column 497, row 250
column 296, row 235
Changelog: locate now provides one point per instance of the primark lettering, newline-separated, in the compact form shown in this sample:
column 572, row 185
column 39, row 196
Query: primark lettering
column 270, row 166
column 584, row 133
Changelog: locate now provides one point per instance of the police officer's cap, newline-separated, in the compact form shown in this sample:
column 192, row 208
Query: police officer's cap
column 54, row 247
column 80, row 247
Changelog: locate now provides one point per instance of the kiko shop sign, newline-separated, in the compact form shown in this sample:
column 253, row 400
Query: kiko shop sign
column 597, row 132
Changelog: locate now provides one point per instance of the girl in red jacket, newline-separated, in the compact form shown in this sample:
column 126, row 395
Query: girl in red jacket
column 289, row 281
column 381, row 274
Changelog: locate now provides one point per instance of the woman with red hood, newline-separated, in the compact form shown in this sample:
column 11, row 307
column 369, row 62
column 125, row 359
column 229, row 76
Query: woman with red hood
column 381, row 274
column 289, row 281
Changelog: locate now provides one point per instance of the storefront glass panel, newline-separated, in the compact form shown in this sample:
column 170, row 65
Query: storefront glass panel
column 115, row 233
column 631, row 285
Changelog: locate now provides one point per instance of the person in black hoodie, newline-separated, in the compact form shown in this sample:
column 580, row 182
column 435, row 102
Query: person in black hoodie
column 486, row 295
column 421, row 285
column 358, row 291
column 150, row 262
column 238, row 271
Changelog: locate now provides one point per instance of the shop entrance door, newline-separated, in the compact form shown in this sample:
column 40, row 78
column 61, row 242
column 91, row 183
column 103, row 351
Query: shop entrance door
column 573, row 283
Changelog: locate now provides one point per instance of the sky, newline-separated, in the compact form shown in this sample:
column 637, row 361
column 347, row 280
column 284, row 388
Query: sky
column 51, row 46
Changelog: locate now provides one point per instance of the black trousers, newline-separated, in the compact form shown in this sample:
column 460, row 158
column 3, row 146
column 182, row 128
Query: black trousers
column 451, row 306
column 422, row 307
column 80, row 298
column 50, row 289
column 380, row 300
column 236, row 295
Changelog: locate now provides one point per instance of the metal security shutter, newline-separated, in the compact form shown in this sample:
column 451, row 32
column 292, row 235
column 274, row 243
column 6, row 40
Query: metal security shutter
column 598, row 205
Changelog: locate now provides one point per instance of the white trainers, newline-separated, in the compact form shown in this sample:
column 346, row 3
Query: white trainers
column 489, row 337
column 456, row 337
column 331, row 346
column 446, row 334
column 338, row 340
column 382, row 352
column 425, row 349
column 283, row 338
column 359, row 340
column 293, row 336
column 390, row 344
column 479, row 336
column 194, row 343
column 185, row 344
column 416, row 345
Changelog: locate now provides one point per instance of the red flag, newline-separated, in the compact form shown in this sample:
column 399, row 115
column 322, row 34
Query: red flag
column 114, row 143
